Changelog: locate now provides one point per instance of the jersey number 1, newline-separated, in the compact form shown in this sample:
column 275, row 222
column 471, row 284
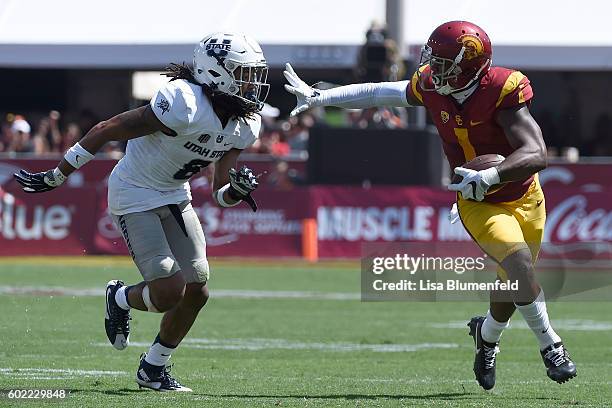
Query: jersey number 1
column 191, row 168
column 464, row 142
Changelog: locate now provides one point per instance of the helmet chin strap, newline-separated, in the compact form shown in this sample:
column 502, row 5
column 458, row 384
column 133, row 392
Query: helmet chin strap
column 461, row 96
column 448, row 90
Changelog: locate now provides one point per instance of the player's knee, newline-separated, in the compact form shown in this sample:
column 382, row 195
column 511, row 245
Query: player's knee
column 196, row 295
column 167, row 292
column 158, row 267
column 202, row 270
column 519, row 265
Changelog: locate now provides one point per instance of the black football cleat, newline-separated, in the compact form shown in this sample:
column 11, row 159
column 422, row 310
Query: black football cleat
column 157, row 378
column 116, row 320
column 484, row 361
column 559, row 366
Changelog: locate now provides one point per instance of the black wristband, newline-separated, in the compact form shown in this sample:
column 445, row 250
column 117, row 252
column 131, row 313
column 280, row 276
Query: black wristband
column 234, row 194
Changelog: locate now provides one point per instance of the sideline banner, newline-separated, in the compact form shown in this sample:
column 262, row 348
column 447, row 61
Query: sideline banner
column 348, row 217
column 75, row 221
column 54, row 223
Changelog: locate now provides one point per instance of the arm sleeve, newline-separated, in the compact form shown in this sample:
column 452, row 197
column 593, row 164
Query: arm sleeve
column 516, row 90
column 368, row 95
column 170, row 106
column 249, row 132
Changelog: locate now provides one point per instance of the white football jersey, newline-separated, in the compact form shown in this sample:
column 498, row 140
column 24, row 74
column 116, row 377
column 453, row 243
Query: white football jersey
column 156, row 167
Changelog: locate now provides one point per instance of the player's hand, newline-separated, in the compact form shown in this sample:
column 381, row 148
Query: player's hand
column 474, row 184
column 304, row 93
column 39, row 182
column 242, row 184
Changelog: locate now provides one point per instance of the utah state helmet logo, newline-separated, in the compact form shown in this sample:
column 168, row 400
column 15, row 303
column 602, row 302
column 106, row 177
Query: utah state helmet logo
column 216, row 49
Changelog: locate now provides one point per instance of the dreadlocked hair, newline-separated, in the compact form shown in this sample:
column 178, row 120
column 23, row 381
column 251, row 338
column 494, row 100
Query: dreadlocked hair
column 234, row 106
column 179, row 71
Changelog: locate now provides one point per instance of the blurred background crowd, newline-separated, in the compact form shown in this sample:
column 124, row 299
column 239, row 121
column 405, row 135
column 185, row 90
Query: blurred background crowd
column 50, row 132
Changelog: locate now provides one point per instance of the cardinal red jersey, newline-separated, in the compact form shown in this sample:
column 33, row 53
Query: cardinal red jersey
column 470, row 129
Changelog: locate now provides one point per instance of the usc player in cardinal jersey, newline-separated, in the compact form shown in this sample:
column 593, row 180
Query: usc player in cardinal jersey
column 478, row 109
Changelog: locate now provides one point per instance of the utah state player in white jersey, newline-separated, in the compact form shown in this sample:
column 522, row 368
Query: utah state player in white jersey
column 204, row 115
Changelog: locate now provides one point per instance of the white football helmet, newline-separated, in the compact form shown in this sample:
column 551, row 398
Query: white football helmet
column 234, row 64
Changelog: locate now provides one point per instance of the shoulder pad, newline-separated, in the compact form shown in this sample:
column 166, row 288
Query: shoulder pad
column 172, row 105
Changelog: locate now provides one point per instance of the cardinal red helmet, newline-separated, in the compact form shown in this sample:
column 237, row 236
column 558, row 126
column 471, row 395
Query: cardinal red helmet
column 458, row 54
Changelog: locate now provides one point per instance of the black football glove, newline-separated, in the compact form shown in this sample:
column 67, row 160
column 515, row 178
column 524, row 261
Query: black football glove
column 242, row 184
column 37, row 182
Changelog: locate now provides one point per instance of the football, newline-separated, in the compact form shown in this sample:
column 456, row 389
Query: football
column 481, row 163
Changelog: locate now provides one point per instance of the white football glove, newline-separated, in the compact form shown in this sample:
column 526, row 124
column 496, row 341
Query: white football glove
column 453, row 215
column 475, row 184
column 305, row 94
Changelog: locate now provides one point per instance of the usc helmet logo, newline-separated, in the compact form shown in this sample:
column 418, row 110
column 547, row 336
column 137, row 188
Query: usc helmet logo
column 473, row 46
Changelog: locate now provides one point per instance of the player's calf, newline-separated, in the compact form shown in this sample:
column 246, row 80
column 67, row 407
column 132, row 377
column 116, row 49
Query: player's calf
column 196, row 296
column 519, row 268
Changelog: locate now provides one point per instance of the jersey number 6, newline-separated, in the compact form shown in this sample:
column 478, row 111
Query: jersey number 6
column 191, row 168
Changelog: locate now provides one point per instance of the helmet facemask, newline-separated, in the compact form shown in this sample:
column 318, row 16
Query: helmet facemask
column 249, row 82
column 444, row 72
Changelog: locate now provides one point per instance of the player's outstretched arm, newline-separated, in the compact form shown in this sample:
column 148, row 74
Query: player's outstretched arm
column 127, row 125
column 231, row 186
column 524, row 135
column 355, row 96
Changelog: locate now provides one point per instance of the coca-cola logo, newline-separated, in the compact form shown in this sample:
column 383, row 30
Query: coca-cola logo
column 51, row 222
column 571, row 220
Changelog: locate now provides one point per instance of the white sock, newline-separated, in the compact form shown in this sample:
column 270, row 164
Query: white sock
column 491, row 329
column 536, row 316
column 159, row 354
column 121, row 299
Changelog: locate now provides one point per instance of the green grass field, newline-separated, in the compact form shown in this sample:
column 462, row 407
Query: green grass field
column 282, row 334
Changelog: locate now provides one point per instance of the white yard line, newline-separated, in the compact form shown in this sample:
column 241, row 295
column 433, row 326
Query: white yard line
column 284, row 294
column 256, row 344
column 49, row 291
column 562, row 324
column 55, row 373
column 218, row 293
